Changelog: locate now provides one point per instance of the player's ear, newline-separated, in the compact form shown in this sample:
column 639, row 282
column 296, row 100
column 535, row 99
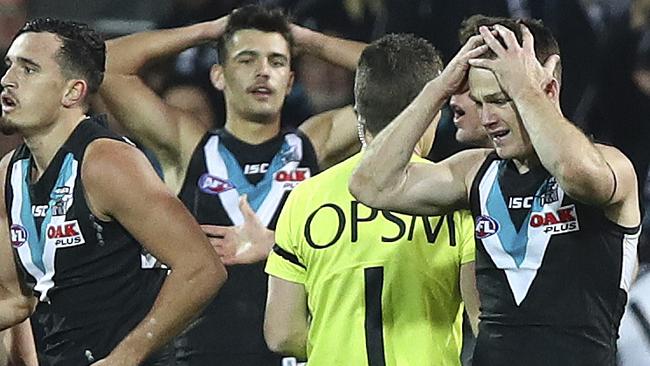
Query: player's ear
column 290, row 82
column 216, row 77
column 74, row 92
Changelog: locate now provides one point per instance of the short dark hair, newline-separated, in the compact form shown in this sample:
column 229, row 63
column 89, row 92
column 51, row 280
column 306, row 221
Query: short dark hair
column 82, row 53
column 545, row 43
column 272, row 20
column 391, row 72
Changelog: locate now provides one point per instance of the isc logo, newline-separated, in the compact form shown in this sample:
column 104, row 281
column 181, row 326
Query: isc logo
column 520, row 202
column 66, row 234
column 256, row 168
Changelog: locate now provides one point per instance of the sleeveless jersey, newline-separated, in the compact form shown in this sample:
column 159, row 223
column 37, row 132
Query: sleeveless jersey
column 86, row 273
column 552, row 273
column 221, row 169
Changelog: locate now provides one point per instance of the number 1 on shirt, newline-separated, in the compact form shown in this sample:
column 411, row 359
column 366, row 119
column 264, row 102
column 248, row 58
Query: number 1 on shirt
column 374, row 280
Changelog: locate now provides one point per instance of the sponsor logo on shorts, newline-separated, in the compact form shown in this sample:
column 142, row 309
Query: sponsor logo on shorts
column 291, row 178
column 485, row 226
column 214, row 185
column 65, row 235
column 18, row 235
column 562, row 220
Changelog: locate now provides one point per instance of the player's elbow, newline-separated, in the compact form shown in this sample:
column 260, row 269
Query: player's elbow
column 284, row 340
column 365, row 190
column 19, row 308
column 209, row 274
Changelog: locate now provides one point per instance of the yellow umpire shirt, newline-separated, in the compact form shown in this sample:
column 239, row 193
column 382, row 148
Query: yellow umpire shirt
column 383, row 288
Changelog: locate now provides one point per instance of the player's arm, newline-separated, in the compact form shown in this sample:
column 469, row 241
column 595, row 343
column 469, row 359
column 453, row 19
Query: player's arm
column 386, row 179
column 121, row 185
column 167, row 131
column 286, row 319
column 469, row 293
column 337, row 51
column 22, row 350
column 16, row 302
column 333, row 133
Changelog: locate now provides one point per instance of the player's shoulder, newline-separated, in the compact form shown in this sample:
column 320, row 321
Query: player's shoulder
column 331, row 178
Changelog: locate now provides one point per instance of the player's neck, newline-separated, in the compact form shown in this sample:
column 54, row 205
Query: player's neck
column 525, row 164
column 253, row 132
column 44, row 143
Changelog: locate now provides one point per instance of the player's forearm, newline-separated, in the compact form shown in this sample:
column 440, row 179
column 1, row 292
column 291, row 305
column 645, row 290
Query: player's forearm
column 129, row 54
column 186, row 291
column 338, row 51
column 563, row 149
column 376, row 181
column 22, row 350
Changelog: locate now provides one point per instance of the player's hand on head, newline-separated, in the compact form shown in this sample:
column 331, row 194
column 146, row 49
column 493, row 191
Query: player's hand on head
column 454, row 75
column 301, row 37
column 515, row 66
column 218, row 27
column 248, row 243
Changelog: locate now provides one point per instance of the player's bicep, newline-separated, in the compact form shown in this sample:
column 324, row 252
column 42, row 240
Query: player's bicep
column 434, row 189
column 146, row 117
column 121, row 185
column 622, row 205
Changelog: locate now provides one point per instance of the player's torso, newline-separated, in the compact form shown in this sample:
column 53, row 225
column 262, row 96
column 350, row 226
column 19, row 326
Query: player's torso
column 75, row 263
column 545, row 260
column 377, row 281
column 221, row 169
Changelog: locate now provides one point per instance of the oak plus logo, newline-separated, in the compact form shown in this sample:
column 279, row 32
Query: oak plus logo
column 64, row 235
column 560, row 221
column 18, row 235
column 291, row 178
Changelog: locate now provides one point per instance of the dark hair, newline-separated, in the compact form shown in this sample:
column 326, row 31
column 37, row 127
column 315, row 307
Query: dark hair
column 272, row 20
column 391, row 72
column 545, row 43
column 82, row 53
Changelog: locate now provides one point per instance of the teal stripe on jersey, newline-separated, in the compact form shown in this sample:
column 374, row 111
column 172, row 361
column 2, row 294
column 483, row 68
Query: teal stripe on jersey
column 256, row 193
column 37, row 244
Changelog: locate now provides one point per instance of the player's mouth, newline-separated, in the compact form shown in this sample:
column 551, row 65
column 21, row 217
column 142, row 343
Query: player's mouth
column 260, row 92
column 9, row 102
column 498, row 136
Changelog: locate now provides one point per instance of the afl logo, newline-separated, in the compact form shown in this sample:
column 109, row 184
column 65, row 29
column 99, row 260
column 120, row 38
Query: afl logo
column 214, row 185
column 18, row 235
column 485, row 226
